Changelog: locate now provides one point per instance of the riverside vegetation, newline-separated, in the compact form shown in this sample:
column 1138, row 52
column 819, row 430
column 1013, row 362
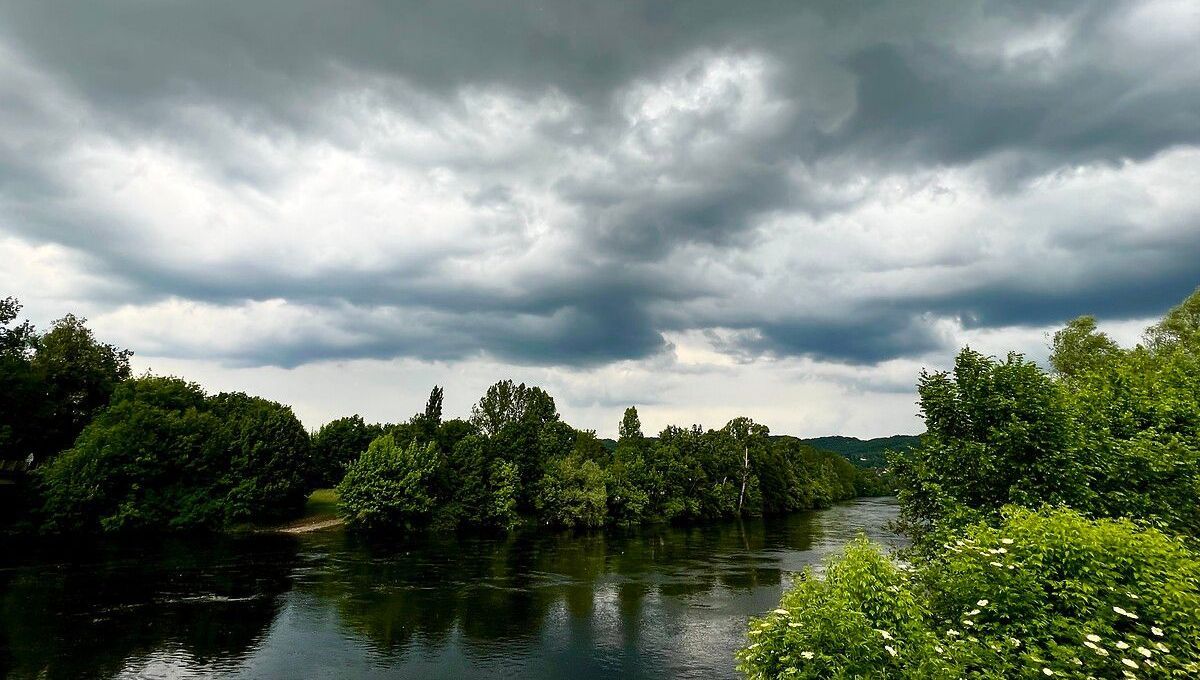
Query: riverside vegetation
column 112, row 453
column 1055, row 518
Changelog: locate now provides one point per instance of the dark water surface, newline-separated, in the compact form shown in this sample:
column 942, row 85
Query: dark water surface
column 655, row 602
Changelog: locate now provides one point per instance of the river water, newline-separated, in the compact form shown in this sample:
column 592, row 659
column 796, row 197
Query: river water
column 654, row 602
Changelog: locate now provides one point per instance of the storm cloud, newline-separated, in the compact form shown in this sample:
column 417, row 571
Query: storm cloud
column 576, row 186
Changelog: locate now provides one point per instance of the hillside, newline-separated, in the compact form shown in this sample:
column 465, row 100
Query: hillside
column 865, row 452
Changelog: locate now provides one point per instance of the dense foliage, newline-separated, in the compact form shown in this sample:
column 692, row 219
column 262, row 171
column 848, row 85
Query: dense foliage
column 110, row 453
column 164, row 455
column 870, row 453
column 51, row 384
column 390, row 485
column 1112, row 432
column 337, row 444
column 1043, row 594
column 517, row 459
column 1054, row 517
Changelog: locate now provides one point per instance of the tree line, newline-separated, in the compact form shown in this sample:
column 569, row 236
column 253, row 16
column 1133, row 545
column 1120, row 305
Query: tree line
column 1055, row 518
column 107, row 452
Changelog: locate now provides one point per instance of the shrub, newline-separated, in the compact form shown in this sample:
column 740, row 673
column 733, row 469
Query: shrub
column 1043, row 594
column 164, row 455
column 389, row 486
column 572, row 493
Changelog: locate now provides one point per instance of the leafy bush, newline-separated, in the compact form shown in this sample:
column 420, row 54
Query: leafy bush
column 389, row 486
column 572, row 493
column 1044, row 594
column 164, row 455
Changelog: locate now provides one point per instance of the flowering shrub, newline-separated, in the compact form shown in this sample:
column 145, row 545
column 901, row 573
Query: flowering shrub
column 1044, row 594
column 864, row 618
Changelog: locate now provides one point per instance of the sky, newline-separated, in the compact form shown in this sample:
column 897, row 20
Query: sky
column 706, row 209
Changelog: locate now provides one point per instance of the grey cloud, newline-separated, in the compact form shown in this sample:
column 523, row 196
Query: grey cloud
column 863, row 90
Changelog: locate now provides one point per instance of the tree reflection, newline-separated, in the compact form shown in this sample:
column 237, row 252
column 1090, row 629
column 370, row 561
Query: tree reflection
column 488, row 590
column 206, row 601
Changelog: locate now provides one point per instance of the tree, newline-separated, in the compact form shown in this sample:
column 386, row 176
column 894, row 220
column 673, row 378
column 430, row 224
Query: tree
column 506, row 403
column 746, row 433
column 79, row 375
column 267, row 455
column 337, row 444
column 389, row 486
column 20, row 389
column 998, row 432
column 426, row 423
column 1180, row 327
column 631, row 426
column 164, row 456
column 148, row 461
column 572, row 493
column 1078, row 348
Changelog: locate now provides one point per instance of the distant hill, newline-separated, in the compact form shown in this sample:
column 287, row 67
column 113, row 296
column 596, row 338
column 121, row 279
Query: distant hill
column 865, row 452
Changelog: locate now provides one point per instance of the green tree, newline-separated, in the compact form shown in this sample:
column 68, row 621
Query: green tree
column 1179, row 328
column 572, row 493
column 165, row 456
column 998, row 432
column 337, row 444
column 389, row 486
column 1079, row 348
column 20, row 388
column 149, row 461
column 630, row 429
column 267, row 457
column 78, row 374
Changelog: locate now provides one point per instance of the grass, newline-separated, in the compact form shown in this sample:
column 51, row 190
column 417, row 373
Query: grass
column 321, row 505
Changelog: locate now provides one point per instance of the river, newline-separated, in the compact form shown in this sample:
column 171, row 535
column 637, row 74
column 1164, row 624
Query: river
column 652, row 602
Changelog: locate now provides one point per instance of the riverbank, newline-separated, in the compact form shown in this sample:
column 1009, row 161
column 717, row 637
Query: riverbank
column 320, row 514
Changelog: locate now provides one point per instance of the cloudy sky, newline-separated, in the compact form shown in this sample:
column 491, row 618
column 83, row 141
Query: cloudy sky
column 707, row 209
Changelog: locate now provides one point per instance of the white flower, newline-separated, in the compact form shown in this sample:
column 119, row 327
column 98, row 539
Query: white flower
column 1089, row 644
column 1122, row 612
column 953, row 633
column 1006, row 541
column 890, row 650
column 1047, row 671
column 1014, row 641
column 938, row 649
column 1162, row 648
column 884, row 634
column 982, row 603
column 1145, row 652
column 1129, row 662
column 1093, row 637
column 781, row 612
column 1121, row 644
column 794, row 624
column 973, row 612
column 995, row 564
column 1156, row 630
column 806, row 654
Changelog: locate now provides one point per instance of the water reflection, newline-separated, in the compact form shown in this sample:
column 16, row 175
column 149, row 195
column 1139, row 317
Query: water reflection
column 651, row 602
column 75, row 611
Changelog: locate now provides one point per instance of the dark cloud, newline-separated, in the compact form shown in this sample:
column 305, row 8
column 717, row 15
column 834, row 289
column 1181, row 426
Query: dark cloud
column 608, row 172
